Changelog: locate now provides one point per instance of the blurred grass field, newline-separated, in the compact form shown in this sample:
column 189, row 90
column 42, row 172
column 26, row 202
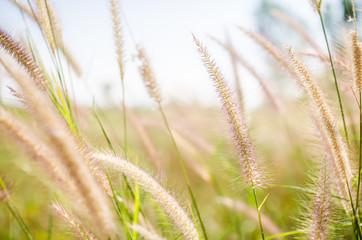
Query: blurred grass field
column 286, row 165
column 288, row 142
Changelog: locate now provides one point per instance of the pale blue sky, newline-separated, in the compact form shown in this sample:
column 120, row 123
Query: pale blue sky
column 164, row 28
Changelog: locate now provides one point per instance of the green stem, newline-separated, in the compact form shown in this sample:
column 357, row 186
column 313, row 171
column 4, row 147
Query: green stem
column 259, row 214
column 136, row 208
column 360, row 134
column 360, row 153
column 174, row 144
column 124, row 119
column 194, row 203
column 285, row 234
column 119, row 211
column 360, row 162
column 334, row 76
column 355, row 224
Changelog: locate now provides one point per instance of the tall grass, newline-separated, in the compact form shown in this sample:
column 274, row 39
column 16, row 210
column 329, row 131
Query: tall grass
column 224, row 189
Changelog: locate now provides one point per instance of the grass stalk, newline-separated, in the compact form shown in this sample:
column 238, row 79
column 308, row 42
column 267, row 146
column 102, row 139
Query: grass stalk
column 356, row 227
column 118, row 37
column 179, row 158
column 119, row 210
column 284, row 234
column 124, row 120
column 360, row 155
column 334, row 75
column 136, row 208
column 259, row 214
column 357, row 76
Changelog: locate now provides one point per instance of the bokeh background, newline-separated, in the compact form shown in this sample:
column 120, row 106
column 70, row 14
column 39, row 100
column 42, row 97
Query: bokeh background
column 164, row 28
column 286, row 143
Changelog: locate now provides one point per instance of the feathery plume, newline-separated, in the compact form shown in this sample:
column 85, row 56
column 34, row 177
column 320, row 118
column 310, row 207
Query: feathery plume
column 117, row 29
column 46, row 24
column 146, row 234
column 242, row 141
column 79, row 230
column 169, row 204
column 316, row 4
column 57, row 31
column 15, row 49
column 82, row 147
column 357, row 61
column 321, row 211
column 65, row 147
column 334, row 144
column 148, row 76
column 57, row 27
column 339, row 183
column 271, row 49
column 241, row 207
column 93, row 164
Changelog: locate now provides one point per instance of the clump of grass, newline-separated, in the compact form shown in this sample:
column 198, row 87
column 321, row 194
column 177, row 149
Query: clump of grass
column 153, row 89
column 238, row 128
column 64, row 146
column 90, row 179
column 336, row 147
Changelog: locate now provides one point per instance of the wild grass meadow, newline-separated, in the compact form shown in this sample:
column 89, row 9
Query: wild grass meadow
column 289, row 168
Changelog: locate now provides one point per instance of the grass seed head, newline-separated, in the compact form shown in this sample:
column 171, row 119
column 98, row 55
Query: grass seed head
column 148, row 76
column 357, row 61
column 118, row 35
column 24, row 59
column 335, row 145
column 238, row 128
